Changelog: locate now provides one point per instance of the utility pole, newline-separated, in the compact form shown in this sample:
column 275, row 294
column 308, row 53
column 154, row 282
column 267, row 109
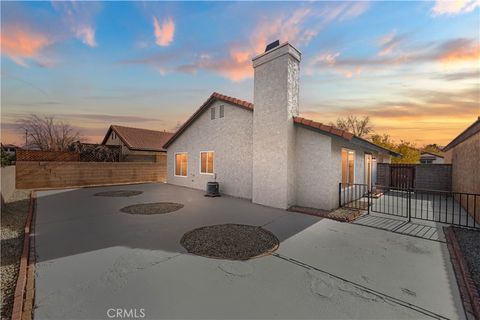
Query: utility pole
column 26, row 139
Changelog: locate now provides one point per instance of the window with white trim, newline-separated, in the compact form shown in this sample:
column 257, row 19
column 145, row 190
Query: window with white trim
column 348, row 166
column 206, row 162
column 181, row 164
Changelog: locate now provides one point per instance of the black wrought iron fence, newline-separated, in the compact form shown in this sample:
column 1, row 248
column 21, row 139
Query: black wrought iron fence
column 456, row 208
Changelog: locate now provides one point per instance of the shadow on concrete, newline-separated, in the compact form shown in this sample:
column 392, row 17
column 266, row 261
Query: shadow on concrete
column 72, row 222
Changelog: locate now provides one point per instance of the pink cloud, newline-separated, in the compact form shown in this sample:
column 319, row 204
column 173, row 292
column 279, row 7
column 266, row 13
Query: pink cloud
column 453, row 7
column 163, row 32
column 19, row 43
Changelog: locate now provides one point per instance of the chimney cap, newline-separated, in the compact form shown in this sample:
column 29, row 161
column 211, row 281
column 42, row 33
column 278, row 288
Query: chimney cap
column 272, row 45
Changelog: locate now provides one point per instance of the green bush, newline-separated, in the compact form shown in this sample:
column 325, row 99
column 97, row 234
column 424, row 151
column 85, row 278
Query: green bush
column 6, row 160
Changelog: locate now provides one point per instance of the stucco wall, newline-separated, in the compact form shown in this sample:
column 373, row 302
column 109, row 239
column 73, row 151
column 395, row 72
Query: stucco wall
column 314, row 176
column 276, row 102
column 231, row 139
column 8, row 182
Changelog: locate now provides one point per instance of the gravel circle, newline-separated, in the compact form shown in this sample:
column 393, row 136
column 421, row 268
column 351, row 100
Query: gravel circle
column 118, row 193
column 469, row 241
column 152, row 208
column 230, row 241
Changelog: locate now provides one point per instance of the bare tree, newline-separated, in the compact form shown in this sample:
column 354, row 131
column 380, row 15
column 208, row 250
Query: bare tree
column 358, row 126
column 46, row 133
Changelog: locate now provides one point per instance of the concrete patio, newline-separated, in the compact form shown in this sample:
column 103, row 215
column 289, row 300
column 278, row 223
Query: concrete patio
column 92, row 258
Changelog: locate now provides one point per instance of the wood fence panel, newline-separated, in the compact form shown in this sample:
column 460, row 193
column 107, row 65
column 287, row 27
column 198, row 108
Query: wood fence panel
column 50, row 174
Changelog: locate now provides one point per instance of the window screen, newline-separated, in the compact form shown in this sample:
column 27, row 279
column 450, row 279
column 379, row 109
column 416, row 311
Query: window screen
column 212, row 113
column 222, row 112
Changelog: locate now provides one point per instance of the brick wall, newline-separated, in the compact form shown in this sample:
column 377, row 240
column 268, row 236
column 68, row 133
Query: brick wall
column 43, row 174
column 465, row 159
column 383, row 174
column 433, row 177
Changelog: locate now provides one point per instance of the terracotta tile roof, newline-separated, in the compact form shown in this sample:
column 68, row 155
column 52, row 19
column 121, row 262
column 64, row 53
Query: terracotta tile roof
column 323, row 127
column 214, row 96
column 140, row 139
column 320, row 127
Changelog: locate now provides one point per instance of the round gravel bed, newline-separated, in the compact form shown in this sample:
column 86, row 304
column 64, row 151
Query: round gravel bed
column 118, row 193
column 230, row 241
column 152, row 208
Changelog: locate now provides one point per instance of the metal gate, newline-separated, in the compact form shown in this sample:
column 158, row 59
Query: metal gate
column 402, row 176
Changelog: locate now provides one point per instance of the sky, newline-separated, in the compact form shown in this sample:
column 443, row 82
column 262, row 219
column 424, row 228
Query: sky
column 412, row 67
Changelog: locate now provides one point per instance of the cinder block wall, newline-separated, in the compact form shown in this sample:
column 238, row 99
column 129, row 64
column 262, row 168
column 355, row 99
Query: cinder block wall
column 47, row 174
column 8, row 182
column 383, row 174
column 433, row 177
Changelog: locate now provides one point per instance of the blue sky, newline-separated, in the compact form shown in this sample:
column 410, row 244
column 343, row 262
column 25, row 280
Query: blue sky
column 413, row 67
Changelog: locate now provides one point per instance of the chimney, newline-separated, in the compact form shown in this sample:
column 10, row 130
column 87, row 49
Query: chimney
column 275, row 98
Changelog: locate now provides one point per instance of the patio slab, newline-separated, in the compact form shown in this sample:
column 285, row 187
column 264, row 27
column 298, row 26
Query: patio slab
column 92, row 258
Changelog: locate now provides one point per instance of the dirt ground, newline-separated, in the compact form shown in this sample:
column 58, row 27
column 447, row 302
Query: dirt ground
column 13, row 216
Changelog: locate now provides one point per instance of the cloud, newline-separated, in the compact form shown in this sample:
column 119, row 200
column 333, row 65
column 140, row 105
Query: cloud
column 454, row 7
column 449, row 53
column 390, row 42
column 79, row 19
column 163, row 32
column 20, row 43
column 459, row 76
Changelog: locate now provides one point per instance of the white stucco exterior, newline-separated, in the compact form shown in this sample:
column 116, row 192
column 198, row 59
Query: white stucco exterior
column 261, row 153
column 230, row 138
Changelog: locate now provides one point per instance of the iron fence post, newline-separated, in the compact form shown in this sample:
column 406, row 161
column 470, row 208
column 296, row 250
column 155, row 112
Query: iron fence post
column 369, row 194
column 340, row 195
column 409, row 205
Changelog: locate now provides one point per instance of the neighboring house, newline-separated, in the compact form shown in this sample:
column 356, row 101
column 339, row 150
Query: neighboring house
column 265, row 151
column 138, row 144
column 9, row 149
column 463, row 153
column 427, row 157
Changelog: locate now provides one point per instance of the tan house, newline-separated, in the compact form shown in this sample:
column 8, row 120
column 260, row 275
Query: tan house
column 141, row 145
column 463, row 153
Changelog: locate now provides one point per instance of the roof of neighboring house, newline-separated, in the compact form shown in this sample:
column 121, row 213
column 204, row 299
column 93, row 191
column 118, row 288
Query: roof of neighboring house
column 431, row 153
column 467, row 133
column 317, row 126
column 139, row 139
column 9, row 145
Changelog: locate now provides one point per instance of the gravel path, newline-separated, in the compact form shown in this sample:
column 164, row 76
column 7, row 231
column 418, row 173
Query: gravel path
column 229, row 241
column 13, row 218
column 469, row 241
column 118, row 193
column 152, row 208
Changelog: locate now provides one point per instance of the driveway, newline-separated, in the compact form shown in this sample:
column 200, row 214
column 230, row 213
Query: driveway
column 92, row 259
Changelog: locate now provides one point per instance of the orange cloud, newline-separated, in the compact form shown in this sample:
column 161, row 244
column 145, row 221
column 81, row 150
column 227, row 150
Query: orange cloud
column 18, row 43
column 453, row 7
column 468, row 53
column 164, row 32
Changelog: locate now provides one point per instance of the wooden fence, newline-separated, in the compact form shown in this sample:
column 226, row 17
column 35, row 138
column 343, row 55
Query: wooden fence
column 50, row 174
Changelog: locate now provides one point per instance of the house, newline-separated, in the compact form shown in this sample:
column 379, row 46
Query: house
column 9, row 149
column 266, row 152
column 138, row 144
column 463, row 153
column 427, row 157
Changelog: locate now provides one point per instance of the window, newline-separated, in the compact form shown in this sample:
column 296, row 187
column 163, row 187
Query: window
column 222, row 111
column 113, row 135
column 348, row 166
column 426, row 161
column 181, row 164
column 212, row 113
column 206, row 162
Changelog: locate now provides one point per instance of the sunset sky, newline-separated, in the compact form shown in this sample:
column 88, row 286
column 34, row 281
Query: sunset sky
column 413, row 67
